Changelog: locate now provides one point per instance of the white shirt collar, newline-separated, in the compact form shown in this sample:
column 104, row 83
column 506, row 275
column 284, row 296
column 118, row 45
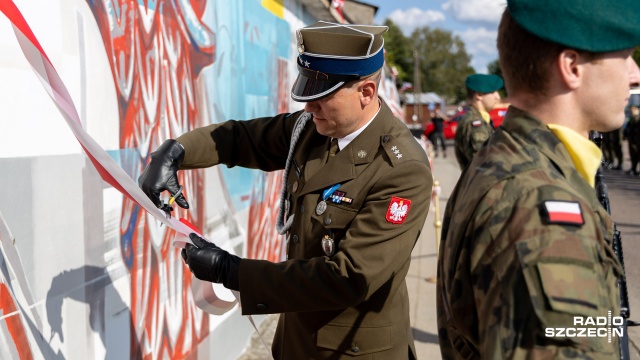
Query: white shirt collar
column 343, row 142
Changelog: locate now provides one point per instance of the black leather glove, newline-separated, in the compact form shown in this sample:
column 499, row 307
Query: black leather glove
column 162, row 173
column 208, row 262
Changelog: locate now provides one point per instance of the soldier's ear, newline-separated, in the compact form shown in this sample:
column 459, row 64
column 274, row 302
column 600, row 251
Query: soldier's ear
column 570, row 68
column 367, row 91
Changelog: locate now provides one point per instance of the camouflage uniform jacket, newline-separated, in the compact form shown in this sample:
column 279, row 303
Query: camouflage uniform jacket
column 507, row 270
column 353, row 303
column 471, row 133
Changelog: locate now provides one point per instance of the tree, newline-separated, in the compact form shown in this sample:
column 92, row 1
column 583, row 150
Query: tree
column 399, row 52
column 444, row 63
column 495, row 69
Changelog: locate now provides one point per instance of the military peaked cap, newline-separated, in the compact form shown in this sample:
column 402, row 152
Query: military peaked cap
column 590, row 25
column 331, row 54
column 484, row 84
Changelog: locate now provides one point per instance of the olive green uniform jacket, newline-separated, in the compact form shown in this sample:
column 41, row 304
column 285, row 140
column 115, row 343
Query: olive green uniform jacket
column 471, row 133
column 508, row 271
column 355, row 302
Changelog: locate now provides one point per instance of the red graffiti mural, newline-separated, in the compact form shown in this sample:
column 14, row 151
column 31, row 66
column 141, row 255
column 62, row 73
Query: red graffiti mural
column 14, row 325
column 157, row 50
column 263, row 241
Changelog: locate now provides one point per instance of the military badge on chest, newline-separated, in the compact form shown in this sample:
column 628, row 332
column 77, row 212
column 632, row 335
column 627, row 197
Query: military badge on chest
column 328, row 245
column 326, row 194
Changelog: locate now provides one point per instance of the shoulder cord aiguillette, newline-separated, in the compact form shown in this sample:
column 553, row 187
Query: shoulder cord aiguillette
column 281, row 227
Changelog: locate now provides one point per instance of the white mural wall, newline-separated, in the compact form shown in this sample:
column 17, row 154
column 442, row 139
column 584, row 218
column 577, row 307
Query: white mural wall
column 85, row 272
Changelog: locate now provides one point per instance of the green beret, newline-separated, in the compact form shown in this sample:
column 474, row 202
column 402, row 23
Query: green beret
column 484, row 84
column 590, row 25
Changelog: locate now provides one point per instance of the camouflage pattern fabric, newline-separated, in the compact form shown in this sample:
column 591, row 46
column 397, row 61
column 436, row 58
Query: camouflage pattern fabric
column 506, row 272
column 471, row 133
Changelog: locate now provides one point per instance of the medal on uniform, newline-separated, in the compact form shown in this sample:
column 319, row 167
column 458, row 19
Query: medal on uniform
column 328, row 245
column 322, row 205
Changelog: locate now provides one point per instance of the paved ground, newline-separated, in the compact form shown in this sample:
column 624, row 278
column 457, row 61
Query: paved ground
column 624, row 195
column 624, row 192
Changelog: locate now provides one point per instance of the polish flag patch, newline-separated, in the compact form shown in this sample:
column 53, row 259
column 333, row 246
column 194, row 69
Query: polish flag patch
column 398, row 210
column 563, row 212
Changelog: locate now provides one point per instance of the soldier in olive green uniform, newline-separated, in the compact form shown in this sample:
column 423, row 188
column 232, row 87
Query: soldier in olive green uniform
column 355, row 198
column 475, row 127
column 526, row 245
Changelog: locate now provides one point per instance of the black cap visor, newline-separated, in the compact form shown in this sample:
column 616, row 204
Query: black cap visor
column 313, row 85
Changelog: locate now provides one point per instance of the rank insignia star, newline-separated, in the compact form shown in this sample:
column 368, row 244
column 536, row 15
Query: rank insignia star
column 306, row 64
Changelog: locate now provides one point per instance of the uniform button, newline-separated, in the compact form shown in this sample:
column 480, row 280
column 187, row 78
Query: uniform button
column 295, row 239
column 385, row 139
column 301, row 209
column 327, row 221
column 355, row 349
column 295, row 186
column 262, row 307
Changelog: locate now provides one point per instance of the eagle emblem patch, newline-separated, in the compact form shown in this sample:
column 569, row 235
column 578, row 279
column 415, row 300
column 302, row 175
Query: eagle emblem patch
column 398, row 210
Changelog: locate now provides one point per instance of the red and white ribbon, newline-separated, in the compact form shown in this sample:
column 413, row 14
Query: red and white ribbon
column 204, row 293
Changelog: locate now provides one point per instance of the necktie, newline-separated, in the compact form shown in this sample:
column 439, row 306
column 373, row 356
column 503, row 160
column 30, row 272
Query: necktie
column 333, row 150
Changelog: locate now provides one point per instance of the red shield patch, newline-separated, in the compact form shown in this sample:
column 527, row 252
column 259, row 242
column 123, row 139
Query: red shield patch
column 398, row 210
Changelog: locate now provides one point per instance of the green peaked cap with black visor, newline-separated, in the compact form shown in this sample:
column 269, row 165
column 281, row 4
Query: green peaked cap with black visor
column 330, row 55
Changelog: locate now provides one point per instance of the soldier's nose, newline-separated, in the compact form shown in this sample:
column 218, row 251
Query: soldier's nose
column 311, row 106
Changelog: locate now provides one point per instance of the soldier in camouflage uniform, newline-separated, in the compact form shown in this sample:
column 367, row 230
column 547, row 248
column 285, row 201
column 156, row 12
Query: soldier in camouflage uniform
column 526, row 245
column 475, row 127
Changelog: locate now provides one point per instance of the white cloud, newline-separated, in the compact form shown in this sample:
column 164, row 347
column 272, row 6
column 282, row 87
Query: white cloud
column 476, row 10
column 481, row 44
column 410, row 19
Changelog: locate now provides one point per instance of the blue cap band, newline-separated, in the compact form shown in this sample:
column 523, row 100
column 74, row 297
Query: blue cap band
column 342, row 66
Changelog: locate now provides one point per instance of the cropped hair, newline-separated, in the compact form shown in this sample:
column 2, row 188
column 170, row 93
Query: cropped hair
column 525, row 59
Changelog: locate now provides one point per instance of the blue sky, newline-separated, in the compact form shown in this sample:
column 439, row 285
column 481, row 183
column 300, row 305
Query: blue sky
column 474, row 21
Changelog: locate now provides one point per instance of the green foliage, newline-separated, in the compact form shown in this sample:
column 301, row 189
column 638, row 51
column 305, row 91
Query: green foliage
column 399, row 52
column 443, row 60
column 444, row 63
column 495, row 69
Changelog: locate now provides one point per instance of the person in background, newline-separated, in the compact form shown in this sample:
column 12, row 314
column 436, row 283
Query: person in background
column 437, row 135
column 526, row 247
column 355, row 197
column 612, row 149
column 475, row 127
column 632, row 133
